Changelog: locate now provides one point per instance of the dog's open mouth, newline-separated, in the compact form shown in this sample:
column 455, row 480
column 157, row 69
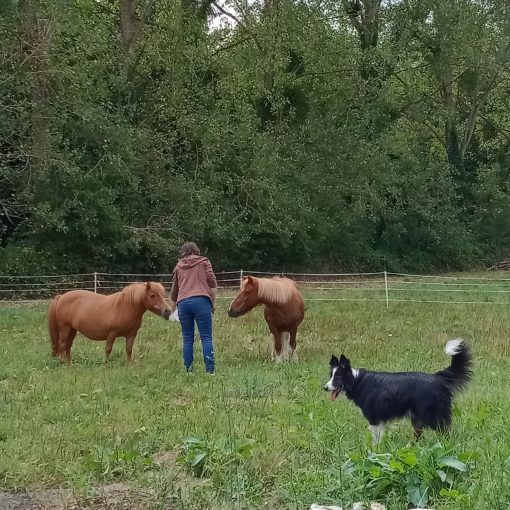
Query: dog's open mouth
column 333, row 394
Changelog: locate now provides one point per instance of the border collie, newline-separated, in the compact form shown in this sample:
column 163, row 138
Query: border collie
column 385, row 396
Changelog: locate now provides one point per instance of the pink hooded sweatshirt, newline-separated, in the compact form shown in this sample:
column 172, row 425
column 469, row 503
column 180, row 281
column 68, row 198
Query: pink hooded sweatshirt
column 193, row 276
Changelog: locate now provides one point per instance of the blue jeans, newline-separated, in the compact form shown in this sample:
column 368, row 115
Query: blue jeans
column 197, row 309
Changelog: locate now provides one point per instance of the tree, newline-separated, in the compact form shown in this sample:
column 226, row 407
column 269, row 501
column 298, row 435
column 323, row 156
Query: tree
column 359, row 135
column 37, row 39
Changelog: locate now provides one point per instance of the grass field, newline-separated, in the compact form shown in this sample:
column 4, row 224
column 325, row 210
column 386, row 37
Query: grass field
column 263, row 436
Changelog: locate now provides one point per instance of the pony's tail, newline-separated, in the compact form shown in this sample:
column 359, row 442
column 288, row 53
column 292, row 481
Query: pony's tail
column 53, row 327
column 458, row 374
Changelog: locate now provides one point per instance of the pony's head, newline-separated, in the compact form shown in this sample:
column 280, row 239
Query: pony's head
column 246, row 299
column 154, row 299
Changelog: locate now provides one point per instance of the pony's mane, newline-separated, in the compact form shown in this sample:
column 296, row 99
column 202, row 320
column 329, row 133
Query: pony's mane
column 135, row 292
column 276, row 290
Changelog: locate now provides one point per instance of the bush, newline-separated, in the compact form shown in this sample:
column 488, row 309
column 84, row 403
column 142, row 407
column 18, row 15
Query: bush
column 418, row 474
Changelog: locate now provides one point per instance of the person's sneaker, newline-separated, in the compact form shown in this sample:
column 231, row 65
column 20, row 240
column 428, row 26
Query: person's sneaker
column 211, row 373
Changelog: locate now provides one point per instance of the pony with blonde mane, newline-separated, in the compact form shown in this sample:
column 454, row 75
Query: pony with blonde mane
column 101, row 317
column 284, row 310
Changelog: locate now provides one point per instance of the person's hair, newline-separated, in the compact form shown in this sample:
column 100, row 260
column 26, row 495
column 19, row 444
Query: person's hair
column 189, row 249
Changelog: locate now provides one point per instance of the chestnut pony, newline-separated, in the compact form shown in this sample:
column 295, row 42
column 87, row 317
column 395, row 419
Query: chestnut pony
column 101, row 317
column 284, row 310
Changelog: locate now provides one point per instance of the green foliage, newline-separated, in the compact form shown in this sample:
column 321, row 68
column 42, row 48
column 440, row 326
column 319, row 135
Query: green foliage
column 278, row 142
column 421, row 473
column 491, row 216
column 203, row 457
column 60, row 426
column 107, row 463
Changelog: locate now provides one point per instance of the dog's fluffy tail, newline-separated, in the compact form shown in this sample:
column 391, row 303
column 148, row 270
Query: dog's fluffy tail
column 458, row 374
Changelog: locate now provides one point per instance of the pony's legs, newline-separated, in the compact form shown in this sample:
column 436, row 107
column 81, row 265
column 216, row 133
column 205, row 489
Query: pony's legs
column 129, row 346
column 271, row 345
column 285, row 345
column 56, row 347
column 109, row 346
column 277, row 354
column 66, row 340
column 292, row 345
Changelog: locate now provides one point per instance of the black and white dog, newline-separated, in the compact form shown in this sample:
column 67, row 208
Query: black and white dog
column 385, row 396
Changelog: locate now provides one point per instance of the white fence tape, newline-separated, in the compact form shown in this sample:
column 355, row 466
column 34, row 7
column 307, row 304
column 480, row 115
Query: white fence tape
column 379, row 286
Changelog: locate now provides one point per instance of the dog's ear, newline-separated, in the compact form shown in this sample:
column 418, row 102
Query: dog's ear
column 333, row 362
column 344, row 362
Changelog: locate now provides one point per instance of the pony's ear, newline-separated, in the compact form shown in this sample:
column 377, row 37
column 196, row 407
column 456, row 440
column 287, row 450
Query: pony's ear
column 148, row 286
column 248, row 280
column 333, row 362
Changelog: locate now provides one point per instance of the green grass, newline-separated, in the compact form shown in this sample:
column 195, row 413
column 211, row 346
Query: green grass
column 90, row 424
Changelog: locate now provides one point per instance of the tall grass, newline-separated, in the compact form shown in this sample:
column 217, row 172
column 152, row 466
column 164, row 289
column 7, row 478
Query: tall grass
column 91, row 424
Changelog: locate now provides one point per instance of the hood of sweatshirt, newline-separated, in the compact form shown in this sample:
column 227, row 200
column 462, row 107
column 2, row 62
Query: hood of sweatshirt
column 190, row 261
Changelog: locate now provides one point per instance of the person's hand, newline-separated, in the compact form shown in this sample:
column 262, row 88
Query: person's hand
column 213, row 308
column 173, row 306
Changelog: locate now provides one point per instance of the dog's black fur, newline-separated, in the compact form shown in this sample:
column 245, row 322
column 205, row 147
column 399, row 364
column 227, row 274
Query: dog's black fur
column 384, row 396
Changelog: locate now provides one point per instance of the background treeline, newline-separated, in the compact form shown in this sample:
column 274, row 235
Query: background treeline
column 354, row 134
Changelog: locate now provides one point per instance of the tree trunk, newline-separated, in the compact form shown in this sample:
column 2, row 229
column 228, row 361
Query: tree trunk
column 131, row 26
column 364, row 17
column 451, row 133
column 37, row 32
column 267, row 14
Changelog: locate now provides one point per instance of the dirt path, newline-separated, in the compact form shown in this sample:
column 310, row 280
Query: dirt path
column 117, row 496
column 17, row 501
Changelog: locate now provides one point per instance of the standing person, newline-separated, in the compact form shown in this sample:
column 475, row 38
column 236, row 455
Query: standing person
column 194, row 293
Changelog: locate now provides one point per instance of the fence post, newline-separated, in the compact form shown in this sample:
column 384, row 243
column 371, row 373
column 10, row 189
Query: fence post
column 386, row 288
column 95, row 282
column 241, row 279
